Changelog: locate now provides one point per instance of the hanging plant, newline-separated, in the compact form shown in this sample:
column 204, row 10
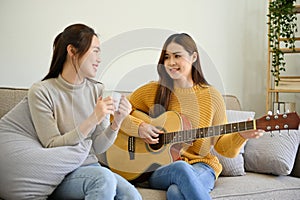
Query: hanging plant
column 282, row 28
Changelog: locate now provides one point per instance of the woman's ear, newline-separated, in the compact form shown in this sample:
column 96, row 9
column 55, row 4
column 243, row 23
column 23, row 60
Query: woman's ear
column 71, row 50
column 195, row 55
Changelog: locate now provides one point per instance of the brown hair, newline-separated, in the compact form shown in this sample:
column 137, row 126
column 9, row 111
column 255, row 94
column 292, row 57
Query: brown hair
column 166, row 84
column 79, row 36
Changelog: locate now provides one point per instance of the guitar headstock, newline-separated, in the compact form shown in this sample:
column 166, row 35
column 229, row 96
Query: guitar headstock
column 285, row 121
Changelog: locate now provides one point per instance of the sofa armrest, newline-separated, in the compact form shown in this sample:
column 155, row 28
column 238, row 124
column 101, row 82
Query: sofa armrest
column 232, row 102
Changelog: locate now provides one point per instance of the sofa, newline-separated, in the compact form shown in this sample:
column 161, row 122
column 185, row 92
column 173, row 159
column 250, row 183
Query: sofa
column 266, row 168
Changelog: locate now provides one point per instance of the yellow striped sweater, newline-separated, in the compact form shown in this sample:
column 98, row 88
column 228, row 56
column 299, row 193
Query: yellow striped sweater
column 204, row 107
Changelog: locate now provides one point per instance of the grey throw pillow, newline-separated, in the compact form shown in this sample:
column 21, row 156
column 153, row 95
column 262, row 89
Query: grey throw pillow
column 29, row 171
column 231, row 166
column 234, row 166
column 272, row 154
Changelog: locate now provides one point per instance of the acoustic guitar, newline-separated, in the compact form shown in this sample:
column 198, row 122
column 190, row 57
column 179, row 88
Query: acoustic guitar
column 134, row 159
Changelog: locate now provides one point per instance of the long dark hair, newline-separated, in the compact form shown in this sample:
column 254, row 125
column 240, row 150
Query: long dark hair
column 166, row 84
column 79, row 36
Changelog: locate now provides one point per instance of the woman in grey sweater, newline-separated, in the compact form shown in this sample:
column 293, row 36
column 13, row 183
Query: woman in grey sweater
column 67, row 108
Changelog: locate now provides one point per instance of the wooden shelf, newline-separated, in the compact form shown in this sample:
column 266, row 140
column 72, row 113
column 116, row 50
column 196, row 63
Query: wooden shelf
column 290, row 84
column 284, row 91
column 284, row 39
column 287, row 50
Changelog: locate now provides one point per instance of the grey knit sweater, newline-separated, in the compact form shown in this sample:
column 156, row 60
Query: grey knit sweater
column 57, row 108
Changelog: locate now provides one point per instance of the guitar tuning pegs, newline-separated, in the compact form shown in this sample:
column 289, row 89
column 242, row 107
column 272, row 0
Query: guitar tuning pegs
column 270, row 112
column 277, row 112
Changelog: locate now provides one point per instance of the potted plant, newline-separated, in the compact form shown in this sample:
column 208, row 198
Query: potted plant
column 282, row 28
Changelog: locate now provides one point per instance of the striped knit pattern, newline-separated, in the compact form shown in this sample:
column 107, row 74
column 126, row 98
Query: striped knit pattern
column 203, row 106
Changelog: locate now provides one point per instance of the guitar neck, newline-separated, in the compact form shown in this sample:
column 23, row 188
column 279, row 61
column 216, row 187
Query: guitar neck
column 192, row 134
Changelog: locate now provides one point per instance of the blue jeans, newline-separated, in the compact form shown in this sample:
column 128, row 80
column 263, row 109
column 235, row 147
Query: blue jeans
column 184, row 181
column 93, row 182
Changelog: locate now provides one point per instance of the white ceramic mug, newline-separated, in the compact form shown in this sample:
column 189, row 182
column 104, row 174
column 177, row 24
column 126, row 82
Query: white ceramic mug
column 116, row 97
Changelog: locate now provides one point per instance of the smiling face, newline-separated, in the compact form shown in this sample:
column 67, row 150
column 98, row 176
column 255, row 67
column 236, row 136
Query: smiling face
column 91, row 59
column 178, row 64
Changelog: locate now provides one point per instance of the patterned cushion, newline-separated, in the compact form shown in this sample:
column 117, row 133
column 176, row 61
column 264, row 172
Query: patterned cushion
column 272, row 154
column 234, row 166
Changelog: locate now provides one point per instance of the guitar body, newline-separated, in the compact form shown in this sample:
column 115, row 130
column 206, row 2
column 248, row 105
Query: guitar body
column 145, row 158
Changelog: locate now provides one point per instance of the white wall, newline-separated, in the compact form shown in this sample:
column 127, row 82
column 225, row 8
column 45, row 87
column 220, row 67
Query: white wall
column 231, row 35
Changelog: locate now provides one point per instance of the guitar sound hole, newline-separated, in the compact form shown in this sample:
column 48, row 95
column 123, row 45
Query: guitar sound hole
column 159, row 144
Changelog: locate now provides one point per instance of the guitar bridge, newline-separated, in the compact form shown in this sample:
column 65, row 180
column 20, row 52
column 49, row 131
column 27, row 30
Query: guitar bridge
column 131, row 147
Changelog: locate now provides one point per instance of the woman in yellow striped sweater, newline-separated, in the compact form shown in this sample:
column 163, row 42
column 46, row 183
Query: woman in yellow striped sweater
column 182, row 87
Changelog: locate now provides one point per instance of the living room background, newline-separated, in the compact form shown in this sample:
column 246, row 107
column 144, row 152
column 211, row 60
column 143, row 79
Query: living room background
column 231, row 34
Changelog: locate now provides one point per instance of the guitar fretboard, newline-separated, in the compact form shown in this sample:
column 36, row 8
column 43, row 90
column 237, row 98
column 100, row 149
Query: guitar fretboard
column 192, row 134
